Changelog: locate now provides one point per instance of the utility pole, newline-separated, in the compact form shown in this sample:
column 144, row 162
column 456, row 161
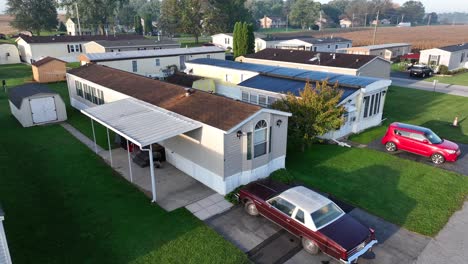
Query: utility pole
column 352, row 21
column 78, row 18
column 365, row 21
column 287, row 22
column 402, row 18
column 429, row 20
column 375, row 28
column 320, row 21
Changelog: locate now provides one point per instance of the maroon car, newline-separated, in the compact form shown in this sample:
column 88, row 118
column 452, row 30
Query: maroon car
column 319, row 222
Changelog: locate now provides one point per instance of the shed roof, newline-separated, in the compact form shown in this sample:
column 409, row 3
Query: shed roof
column 383, row 46
column 83, row 38
column 18, row 93
column 285, row 85
column 210, row 109
column 46, row 60
column 457, row 47
column 142, row 123
column 135, row 43
column 134, row 54
column 340, row 60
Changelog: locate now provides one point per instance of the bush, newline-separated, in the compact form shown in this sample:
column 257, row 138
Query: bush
column 232, row 196
column 282, row 175
column 458, row 71
column 444, row 70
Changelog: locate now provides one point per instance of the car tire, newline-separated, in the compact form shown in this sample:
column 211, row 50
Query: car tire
column 437, row 158
column 310, row 246
column 390, row 146
column 250, row 208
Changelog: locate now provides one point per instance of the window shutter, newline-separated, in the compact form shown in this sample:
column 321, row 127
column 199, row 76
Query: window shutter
column 81, row 50
column 249, row 145
column 269, row 142
column 68, row 47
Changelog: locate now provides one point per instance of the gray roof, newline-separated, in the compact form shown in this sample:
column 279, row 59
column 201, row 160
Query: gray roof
column 384, row 46
column 133, row 54
column 18, row 93
column 457, row 47
column 136, row 43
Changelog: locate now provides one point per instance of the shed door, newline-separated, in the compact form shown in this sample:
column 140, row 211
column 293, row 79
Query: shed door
column 43, row 109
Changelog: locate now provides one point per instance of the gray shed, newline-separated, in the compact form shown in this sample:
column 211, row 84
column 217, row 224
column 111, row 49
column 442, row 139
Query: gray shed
column 35, row 104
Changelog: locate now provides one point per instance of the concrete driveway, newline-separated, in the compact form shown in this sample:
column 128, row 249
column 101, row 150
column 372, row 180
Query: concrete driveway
column 402, row 80
column 264, row 242
column 460, row 166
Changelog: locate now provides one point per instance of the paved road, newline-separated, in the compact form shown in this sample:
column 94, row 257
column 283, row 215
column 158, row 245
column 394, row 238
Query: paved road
column 460, row 166
column 416, row 83
column 451, row 244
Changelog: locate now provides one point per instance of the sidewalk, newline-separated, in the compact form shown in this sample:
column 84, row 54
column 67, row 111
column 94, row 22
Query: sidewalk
column 419, row 84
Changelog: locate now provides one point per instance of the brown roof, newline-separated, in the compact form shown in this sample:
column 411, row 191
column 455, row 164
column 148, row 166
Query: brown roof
column 183, row 79
column 210, row 109
column 340, row 60
column 46, row 60
column 86, row 38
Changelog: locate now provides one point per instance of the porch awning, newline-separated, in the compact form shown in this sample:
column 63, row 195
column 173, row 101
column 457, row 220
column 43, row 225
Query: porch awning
column 142, row 123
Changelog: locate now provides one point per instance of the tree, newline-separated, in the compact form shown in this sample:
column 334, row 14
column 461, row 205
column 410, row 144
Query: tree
column 148, row 22
column 235, row 39
column 261, row 8
column 356, row 11
column 432, row 18
column 126, row 15
column 413, row 12
column 62, row 27
column 137, row 25
column 243, row 39
column 314, row 112
column 332, row 12
column 33, row 15
column 304, row 13
column 250, row 38
column 170, row 17
column 221, row 15
column 191, row 18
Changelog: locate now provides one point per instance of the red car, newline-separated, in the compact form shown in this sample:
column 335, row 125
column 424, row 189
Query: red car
column 420, row 140
column 319, row 222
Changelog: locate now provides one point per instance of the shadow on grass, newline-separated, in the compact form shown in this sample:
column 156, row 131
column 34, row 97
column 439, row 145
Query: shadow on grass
column 446, row 130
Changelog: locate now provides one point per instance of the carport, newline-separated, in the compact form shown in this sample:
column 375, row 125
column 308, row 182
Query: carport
column 142, row 124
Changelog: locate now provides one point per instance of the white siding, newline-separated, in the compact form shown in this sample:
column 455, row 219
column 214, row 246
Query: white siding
column 24, row 114
column 9, row 54
column 36, row 51
column 222, row 40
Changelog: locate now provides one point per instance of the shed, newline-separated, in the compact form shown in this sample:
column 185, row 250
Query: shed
column 9, row 54
column 49, row 69
column 35, row 104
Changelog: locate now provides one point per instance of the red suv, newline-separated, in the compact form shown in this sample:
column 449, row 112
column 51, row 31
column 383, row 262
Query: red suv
column 420, row 140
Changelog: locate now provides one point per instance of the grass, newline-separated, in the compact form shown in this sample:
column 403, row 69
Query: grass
column 63, row 204
column 457, row 79
column 415, row 196
column 398, row 66
column 17, row 74
column 73, row 64
column 433, row 110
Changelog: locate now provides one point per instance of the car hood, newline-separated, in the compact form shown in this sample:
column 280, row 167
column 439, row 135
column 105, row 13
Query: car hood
column 346, row 232
column 265, row 189
column 447, row 144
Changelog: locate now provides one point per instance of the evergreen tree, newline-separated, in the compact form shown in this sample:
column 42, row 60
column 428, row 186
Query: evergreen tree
column 235, row 39
column 250, row 39
column 137, row 25
column 148, row 23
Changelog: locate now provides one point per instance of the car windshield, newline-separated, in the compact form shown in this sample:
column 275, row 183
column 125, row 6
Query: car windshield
column 326, row 214
column 433, row 138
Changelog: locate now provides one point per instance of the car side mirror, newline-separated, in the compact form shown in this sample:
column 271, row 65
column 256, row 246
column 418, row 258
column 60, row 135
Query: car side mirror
column 425, row 141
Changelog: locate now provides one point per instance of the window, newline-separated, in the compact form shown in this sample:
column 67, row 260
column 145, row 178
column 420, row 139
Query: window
column 87, row 92
column 372, row 104
column 260, row 138
column 417, row 137
column 79, row 88
column 282, row 205
column 315, row 49
column 134, row 66
column 336, row 46
column 249, row 145
column 71, row 48
column 245, row 96
column 326, row 214
column 433, row 138
column 262, row 100
column 328, row 46
column 208, row 56
column 100, row 100
column 377, row 101
column 462, row 57
column 228, row 78
column 158, row 62
column 347, row 45
column 402, row 133
column 366, row 105
column 345, row 117
column 271, row 100
column 94, row 95
column 300, row 216
column 253, row 98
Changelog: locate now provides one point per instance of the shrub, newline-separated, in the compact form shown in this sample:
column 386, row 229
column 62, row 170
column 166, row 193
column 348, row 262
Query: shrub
column 232, row 196
column 458, row 71
column 282, row 175
column 444, row 70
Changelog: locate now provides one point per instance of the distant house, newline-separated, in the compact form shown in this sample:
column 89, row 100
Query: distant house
column 272, row 22
column 100, row 46
column 65, row 48
column 385, row 21
column 345, row 23
column 454, row 56
column 352, row 64
column 363, row 97
column 222, row 143
column 404, row 24
column 387, row 51
column 74, row 30
column 49, row 70
column 5, row 257
column 151, row 63
column 9, row 54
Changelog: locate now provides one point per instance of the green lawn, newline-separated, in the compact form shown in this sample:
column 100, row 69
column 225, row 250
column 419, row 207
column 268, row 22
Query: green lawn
column 458, row 79
column 418, row 197
column 63, row 204
column 433, row 110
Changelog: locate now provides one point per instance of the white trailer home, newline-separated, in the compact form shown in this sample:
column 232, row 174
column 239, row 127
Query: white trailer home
column 220, row 142
column 363, row 97
column 454, row 56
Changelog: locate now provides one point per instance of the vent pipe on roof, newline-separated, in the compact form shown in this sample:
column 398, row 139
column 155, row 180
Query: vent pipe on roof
column 334, row 55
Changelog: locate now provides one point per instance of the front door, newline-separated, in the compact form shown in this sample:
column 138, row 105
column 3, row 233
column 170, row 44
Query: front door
column 43, row 110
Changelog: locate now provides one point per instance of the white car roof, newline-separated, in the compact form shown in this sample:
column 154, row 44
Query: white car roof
column 306, row 199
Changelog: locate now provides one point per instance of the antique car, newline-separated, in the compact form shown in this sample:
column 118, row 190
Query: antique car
column 317, row 221
column 421, row 141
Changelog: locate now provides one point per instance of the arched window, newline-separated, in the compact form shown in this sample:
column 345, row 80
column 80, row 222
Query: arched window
column 260, row 138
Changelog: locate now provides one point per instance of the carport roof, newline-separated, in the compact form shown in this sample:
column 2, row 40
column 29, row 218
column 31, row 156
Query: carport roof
column 140, row 122
column 18, row 93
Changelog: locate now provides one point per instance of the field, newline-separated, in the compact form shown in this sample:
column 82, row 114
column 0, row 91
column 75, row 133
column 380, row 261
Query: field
column 5, row 27
column 424, row 37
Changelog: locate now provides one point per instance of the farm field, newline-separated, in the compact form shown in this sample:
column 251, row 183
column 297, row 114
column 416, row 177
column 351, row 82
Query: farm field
column 420, row 37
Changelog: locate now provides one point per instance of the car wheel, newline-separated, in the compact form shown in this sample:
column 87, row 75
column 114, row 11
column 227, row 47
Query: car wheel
column 250, row 208
column 437, row 158
column 310, row 246
column 390, row 146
